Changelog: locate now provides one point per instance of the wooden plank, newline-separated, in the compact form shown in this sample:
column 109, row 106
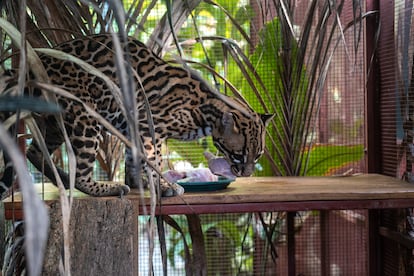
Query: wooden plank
column 271, row 190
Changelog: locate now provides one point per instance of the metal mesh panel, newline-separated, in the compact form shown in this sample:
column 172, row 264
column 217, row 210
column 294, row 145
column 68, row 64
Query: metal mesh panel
column 327, row 243
column 395, row 53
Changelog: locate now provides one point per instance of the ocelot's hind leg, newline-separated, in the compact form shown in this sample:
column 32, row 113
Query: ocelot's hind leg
column 83, row 133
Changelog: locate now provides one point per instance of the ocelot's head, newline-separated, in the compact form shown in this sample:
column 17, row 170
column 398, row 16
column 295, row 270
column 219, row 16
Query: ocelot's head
column 241, row 138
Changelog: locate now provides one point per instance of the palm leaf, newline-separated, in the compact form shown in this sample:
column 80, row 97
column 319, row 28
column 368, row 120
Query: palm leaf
column 36, row 216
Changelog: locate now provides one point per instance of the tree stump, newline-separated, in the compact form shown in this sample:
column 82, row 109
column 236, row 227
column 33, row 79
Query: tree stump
column 102, row 238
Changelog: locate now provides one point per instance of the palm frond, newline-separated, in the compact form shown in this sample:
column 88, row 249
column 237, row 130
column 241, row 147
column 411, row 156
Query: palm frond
column 36, row 215
column 162, row 35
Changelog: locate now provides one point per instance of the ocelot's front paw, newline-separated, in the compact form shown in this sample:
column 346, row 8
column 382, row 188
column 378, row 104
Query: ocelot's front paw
column 170, row 189
column 122, row 190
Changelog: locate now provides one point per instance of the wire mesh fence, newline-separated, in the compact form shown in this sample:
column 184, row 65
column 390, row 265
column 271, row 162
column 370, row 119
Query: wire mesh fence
column 326, row 243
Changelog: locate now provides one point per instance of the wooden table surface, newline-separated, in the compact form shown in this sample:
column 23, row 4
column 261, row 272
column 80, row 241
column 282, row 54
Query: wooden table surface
column 252, row 194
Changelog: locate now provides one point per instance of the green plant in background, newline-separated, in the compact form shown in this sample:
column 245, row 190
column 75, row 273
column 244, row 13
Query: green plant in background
column 211, row 23
column 288, row 105
column 213, row 20
column 229, row 243
column 179, row 151
column 325, row 158
column 286, row 75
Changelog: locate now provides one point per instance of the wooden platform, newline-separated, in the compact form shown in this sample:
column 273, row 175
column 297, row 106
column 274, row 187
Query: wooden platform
column 366, row 191
column 254, row 194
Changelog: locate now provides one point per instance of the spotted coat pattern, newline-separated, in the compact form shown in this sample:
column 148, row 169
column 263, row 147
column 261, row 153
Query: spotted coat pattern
column 183, row 107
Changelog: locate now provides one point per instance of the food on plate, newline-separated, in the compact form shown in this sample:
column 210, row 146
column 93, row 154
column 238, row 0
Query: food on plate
column 173, row 176
column 200, row 175
column 219, row 166
column 193, row 175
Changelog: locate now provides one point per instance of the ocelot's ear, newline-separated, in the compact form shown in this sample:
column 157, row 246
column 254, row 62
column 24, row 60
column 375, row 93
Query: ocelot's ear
column 227, row 124
column 266, row 118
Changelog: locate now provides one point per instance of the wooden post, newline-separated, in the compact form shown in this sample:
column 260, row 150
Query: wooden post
column 102, row 237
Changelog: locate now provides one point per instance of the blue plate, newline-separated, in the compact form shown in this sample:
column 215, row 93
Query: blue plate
column 220, row 184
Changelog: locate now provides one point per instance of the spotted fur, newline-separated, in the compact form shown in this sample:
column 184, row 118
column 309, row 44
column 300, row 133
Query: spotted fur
column 183, row 107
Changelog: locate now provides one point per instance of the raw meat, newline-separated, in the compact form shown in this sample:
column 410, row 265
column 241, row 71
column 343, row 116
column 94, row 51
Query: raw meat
column 200, row 175
column 173, row 176
column 219, row 166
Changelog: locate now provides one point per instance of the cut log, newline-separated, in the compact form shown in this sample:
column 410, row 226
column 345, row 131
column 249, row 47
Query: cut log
column 101, row 238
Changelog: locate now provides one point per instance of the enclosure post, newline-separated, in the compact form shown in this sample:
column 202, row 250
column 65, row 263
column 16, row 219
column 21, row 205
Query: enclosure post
column 374, row 244
column 373, row 131
column 373, row 122
column 324, row 242
column 290, row 221
column 135, row 236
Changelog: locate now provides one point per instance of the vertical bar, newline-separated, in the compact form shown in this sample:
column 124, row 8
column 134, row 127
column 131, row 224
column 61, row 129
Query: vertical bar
column 324, row 242
column 381, row 150
column 2, row 233
column 373, row 126
column 290, row 221
column 135, row 237
column 374, row 244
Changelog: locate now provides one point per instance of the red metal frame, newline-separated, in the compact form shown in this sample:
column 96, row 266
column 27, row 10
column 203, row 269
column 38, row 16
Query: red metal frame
column 289, row 206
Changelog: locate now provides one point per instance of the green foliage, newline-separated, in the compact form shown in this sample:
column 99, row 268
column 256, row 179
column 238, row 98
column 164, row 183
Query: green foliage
column 191, row 152
column 210, row 20
column 324, row 158
column 268, row 90
column 227, row 239
column 267, row 63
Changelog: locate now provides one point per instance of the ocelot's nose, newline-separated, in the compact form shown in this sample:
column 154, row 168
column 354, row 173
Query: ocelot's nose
column 235, row 170
column 242, row 170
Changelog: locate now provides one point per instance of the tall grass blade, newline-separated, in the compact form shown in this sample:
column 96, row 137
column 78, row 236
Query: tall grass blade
column 36, row 215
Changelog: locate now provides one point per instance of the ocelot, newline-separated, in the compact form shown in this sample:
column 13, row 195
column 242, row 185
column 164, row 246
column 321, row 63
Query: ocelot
column 182, row 104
